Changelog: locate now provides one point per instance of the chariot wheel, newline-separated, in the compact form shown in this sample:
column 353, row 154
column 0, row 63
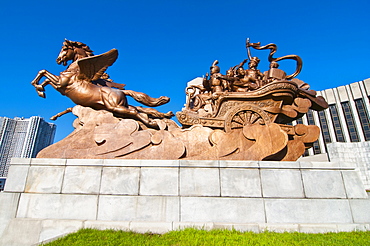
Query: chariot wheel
column 243, row 115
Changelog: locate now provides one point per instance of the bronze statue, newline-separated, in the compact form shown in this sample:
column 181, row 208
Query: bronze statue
column 86, row 83
column 255, row 105
column 242, row 115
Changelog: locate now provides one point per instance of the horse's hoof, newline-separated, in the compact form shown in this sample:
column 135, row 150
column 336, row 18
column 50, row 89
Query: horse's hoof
column 41, row 94
column 40, row 88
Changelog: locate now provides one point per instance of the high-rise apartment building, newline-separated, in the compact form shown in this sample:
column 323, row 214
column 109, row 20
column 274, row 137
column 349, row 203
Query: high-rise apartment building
column 21, row 137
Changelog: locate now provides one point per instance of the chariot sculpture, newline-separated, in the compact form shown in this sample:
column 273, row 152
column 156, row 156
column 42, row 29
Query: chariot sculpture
column 242, row 115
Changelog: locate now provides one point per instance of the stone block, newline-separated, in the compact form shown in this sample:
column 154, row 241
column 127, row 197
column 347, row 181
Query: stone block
column 16, row 180
column 238, row 227
column 279, row 164
column 280, row 228
column 48, row 162
column 239, row 164
column 160, row 163
column 307, row 211
column 240, row 182
column 138, row 208
column 323, row 184
column 281, row 183
column 107, row 225
column 8, row 208
column 120, row 181
column 360, row 210
column 319, row 165
column 82, row 180
column 200, row 182
column 318, row 228
column 21, row 232
column 153, row 227
column 20, row 161
column 159, row 181
column 121, row 163
column 222, row 209
column 45, row 179
column 352, row 227
column 85, row 162
column 199, row 163
column 57, row 206
column 51, row 229
column 353, row 185
column 196, row 225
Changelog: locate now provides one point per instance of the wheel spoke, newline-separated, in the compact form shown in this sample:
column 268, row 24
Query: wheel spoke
column 254, row 118
column 235, row 125
column 238, row 119
column 248, row 114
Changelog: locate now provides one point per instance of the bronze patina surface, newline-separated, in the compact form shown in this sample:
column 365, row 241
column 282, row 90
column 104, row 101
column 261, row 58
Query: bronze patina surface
column 243, row 115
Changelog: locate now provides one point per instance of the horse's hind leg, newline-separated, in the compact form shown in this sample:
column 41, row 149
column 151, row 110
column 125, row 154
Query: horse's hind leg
column 116, row 102
column 131, row 112
column 68, row 110
column 155, row 113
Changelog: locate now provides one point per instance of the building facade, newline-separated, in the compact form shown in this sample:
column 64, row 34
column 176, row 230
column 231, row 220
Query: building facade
column 21, row 137
column 347, row 118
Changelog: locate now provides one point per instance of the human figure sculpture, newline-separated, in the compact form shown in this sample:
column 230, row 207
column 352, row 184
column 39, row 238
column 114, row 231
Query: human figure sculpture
column 253, row 77
column 213, row 82
column 245, row 80
column 86, row 84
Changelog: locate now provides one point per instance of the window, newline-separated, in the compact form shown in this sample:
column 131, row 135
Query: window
column 324, row 127
column 311, row 121
column 364, row 118
column 337, row 126
column 353, row 134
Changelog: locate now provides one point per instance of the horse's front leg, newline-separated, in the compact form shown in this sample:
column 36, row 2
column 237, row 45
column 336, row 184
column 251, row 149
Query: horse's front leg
column 51, row 79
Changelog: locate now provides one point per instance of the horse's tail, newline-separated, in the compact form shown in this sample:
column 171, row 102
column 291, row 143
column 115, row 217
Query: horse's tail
column 145, row 99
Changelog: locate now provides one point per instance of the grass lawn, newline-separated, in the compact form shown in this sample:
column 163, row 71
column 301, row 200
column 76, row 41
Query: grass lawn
column 192, row 236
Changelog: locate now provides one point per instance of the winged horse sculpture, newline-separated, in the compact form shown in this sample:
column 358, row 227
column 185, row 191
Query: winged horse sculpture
column 85, row 83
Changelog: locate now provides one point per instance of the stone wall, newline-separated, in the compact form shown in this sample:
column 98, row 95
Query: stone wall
column 355, row 154
column 46, row 198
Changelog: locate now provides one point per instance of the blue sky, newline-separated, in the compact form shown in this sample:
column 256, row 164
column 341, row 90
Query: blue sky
column 164, row 44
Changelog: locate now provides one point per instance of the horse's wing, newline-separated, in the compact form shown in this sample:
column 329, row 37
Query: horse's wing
column 93, row 67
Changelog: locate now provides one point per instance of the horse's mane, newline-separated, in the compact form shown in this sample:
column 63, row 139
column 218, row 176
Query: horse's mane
column 75, row 44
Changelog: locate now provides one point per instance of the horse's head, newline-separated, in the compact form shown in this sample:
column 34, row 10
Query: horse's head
column 72, row 50
column 65, row 54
